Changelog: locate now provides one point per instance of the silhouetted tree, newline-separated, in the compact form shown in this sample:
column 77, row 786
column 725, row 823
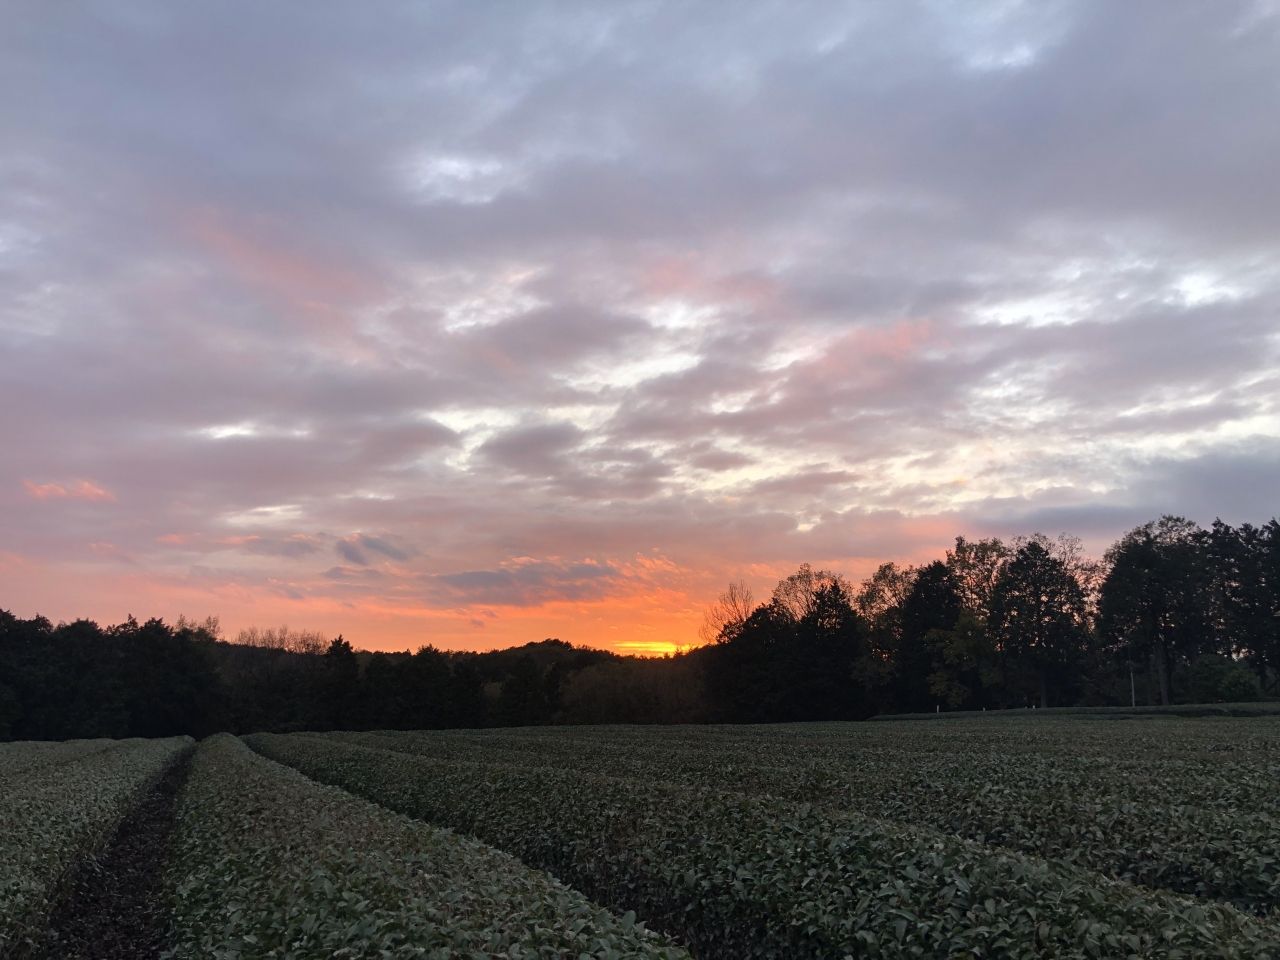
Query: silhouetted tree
column 976, row 566
column 340, row 686
column 879, row 602
column 967, row 674
column 427, row 681
column 826, row 678
column 797, row 595
column 1155, row 603
column 930, row 609
column 724, row 618
column 1196, row 612
column 1038, row 616
column 1243, row 574
column 523, row 700
column 468, row 695
column 77, row 680
column 742, row 673
column 799, row 657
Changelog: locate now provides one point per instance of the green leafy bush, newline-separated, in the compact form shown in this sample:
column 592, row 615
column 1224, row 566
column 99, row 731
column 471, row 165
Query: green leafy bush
column 744, row 876
column 61, row 803
column 1094, row 795
column 24, row 759
column 267, row 863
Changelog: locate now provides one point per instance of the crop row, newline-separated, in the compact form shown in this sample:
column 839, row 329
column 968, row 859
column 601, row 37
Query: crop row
column 1133, row 745
column 59, row 815
column 267, row 863
column 1218, row 772
column 755, row 877
column 28, row 758
column 1135, row 739
column 1215, row 782
column 1190, row 826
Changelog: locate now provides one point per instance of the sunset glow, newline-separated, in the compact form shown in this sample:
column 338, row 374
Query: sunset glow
column 441, row 326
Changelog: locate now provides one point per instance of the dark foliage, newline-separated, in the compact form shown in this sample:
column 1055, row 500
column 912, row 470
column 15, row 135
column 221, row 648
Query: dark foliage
column 131, row 680
column 1177, row 613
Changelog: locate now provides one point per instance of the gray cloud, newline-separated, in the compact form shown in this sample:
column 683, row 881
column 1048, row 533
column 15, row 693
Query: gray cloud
column 351, row 552
column 526, row 583
column 534, row 451
column 383, row 546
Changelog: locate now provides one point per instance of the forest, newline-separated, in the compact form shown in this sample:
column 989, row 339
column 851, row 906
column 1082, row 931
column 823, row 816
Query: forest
column 1173, row 613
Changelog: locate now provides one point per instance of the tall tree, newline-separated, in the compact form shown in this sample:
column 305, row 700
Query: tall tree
column 976, row 565
column 724, row 618
column 930, row 610
column 796, row 596
column 1155, row 604
column 798, row 657
column 966, row 674
column 1267, row 653
column 879, row 602
column 427, row 681
column 1038, row 616
column 823, row 676
column 1244, row 609
column 340, row 686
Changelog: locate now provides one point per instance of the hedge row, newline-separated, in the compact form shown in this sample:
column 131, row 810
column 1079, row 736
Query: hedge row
column 750, row 877
column 23, row 759
column 267, row 863
column 55, row 815
column 1203, row 825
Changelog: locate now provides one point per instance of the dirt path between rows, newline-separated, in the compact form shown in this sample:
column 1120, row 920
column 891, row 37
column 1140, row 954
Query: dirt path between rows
column 114, row 906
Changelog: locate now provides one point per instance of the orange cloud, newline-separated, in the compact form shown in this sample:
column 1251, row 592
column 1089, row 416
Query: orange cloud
column 651, row 604
column 79, row 490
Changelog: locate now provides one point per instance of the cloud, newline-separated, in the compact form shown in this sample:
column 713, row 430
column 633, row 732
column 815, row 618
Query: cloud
column 383, row 546
column 537, row 451
column 526, row 582
column 351, row 552
column 420, row 294
column 294, row 545
column 356, row 548
column 78, row 490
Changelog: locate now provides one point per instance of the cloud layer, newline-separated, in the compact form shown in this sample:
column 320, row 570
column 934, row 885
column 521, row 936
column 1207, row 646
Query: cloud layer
column 454, row 327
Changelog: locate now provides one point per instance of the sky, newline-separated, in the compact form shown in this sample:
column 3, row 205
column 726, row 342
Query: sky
column 477, row 323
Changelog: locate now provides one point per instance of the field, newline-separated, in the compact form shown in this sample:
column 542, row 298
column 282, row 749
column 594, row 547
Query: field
column 1069, row 836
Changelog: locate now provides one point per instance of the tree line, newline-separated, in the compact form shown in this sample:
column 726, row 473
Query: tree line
column 1172, row 613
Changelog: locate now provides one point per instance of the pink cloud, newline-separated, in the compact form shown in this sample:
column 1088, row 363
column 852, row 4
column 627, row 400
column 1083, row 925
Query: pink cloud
column 313, row 287
column 79, row 490
column 689, row 278
column 869, row 351
column 109, row 551
column 13, row 562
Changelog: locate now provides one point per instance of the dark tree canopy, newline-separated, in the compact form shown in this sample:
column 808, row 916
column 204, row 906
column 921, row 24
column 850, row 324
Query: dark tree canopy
column 929, row 612
column 1038, row 614
column 1174, row 613
column 1155, row 600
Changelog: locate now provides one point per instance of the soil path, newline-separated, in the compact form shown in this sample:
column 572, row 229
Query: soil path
column 114, row 906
